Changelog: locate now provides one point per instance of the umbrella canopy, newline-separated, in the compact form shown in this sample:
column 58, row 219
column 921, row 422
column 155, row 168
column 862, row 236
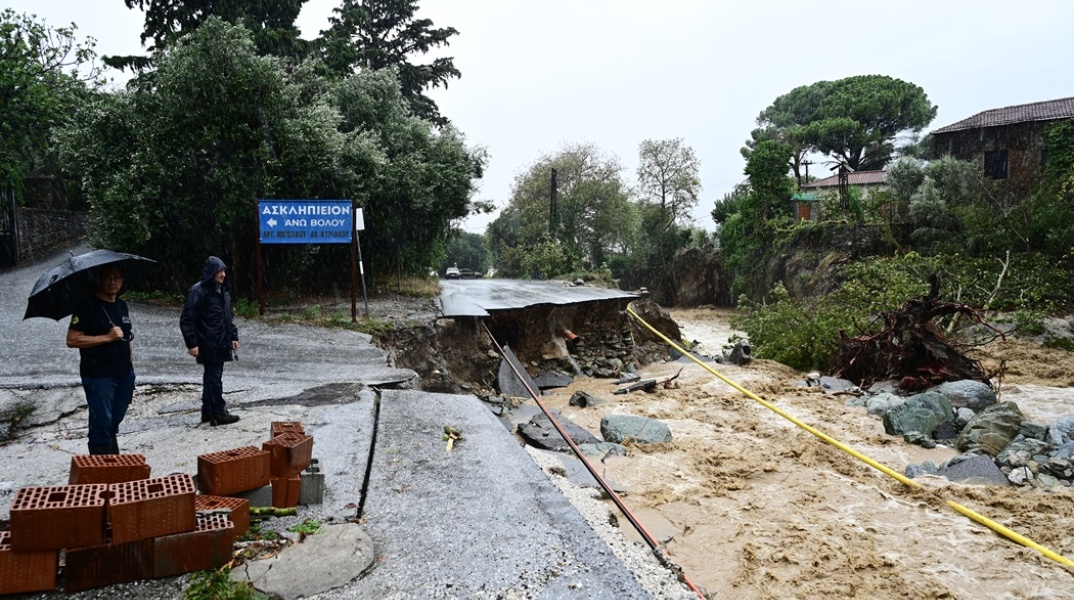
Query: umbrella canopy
column 63, row 287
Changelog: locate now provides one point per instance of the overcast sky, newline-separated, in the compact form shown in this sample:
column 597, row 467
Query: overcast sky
column 539, row 75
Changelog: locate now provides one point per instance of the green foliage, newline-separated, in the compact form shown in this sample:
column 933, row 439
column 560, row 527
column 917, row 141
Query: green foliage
column 307, row 527
column 548, row 259
column 271, row 22
column 44, row 73
column 595, row 217
column 855, row 120
column 668, row 177
column 468, row 250
column 804, row 332
column 384, row 34
column 730, row 204
column 217, row 585
column 173, row 168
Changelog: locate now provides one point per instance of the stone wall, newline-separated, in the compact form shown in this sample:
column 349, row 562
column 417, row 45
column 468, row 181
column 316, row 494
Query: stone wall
column 42, row 230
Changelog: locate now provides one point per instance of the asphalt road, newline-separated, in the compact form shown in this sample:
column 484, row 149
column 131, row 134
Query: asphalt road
column 282, row 358
column 478, row 297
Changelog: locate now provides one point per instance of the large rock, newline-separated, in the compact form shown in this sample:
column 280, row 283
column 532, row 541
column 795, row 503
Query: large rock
column 976, row 470
column 878, row 405
column 993, row 429
column 641, row 430
column 967, row 393
column 1061, row 432
column 1018, row 453
column 921, row 413
column 540, row 433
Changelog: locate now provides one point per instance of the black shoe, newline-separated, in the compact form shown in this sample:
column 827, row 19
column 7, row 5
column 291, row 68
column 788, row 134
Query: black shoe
column 205, row 418
column 223, row 419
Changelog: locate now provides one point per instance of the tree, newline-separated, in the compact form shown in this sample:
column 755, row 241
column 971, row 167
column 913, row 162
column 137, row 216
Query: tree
column 467, row 250
column 173, row 168
column 272, row 23
column 45, row 73
column 668, row 177
column 594, row 215
column 859, row 117
column 785, row 122
column 423, row 180
column 384, row 34
column 854, row 120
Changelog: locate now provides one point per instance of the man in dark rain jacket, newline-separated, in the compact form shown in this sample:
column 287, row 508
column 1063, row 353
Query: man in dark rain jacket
column 211, row 337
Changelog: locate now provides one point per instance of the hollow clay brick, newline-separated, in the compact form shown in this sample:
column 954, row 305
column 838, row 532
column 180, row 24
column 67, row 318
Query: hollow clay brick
column 108, row 564
column 107, row 468
column 236, row 509
column 151, row 507
column 290, row 454
column 26, row 571
column 54, row 517
column 285, row 491
column 279, row 427
column 209, row 546
column 232, row 471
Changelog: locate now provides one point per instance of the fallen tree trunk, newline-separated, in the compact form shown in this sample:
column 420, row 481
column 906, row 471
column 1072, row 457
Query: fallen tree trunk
column 910, row 349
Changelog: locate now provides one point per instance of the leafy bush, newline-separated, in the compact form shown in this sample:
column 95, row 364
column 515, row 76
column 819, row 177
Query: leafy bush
column 804, row 332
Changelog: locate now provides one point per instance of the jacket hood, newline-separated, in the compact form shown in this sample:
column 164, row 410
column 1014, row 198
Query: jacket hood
column 211, row 268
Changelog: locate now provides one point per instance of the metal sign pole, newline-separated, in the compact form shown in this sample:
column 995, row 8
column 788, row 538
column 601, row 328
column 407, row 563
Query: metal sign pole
column 359, row 225
column 354, row 261
column 261, row 310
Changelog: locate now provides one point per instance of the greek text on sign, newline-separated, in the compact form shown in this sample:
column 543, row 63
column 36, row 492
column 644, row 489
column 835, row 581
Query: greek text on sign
column 305, row 221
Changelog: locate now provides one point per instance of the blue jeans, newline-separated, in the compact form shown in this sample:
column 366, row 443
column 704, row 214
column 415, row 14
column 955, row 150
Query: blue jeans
column 108, row 399
column 212, row 390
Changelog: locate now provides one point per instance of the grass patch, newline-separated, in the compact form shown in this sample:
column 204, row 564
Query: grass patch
column 418, row 287
column 217, row 585
column 307, row 527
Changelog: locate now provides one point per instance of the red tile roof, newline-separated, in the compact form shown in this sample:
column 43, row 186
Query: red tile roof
column 1037, row 111
column 855, row 178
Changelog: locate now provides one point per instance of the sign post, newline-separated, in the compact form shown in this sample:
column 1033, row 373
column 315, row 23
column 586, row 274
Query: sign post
column 305, row 222
column 359, row 225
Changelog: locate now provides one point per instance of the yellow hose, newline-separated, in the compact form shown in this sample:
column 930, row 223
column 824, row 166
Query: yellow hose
column 1000, row 529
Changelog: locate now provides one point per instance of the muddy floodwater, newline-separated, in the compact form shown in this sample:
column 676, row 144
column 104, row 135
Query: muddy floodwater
column 751, row 506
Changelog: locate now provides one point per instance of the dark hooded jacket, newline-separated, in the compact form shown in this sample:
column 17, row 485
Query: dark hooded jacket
column 206, row 321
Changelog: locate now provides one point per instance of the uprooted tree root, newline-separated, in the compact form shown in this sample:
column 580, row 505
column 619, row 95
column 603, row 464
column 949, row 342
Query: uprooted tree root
column 910, row 348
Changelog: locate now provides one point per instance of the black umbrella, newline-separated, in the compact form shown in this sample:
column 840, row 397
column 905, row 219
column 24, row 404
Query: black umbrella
column 65, row 286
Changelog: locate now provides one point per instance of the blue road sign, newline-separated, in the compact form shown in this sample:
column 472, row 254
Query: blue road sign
column 306, row 221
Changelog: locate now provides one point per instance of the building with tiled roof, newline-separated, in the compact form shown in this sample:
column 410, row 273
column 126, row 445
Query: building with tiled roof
column 855, row 179
column 1007, row 143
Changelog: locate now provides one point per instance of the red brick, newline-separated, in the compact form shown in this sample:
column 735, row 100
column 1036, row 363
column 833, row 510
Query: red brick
column 232, row 471
column 151, row 507
column 238, row 510
column 210, row 546
column 50, row 518
column 107, row 468
column 290, row 454
column 279, row 427
column 26, row 571
column 285, row 491
column 98, row 566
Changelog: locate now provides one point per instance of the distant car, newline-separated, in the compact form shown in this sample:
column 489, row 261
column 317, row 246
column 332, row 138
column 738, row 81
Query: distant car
column 466, row 273
column 452, row 273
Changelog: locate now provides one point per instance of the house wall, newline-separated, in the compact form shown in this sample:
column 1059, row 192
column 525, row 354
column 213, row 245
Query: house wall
column 1023, row 142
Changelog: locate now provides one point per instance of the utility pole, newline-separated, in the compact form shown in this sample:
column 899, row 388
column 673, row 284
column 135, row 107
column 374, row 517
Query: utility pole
column 553, row 209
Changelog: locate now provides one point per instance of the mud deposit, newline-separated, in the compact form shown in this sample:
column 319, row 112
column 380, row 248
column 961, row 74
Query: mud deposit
column 751, row 506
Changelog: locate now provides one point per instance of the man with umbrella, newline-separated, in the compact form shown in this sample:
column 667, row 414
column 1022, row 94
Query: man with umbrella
column 101, row 330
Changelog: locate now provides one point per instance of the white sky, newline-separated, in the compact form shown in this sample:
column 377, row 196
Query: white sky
column 538, row 75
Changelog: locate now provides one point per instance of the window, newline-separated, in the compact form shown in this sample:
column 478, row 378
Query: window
column 995, row 164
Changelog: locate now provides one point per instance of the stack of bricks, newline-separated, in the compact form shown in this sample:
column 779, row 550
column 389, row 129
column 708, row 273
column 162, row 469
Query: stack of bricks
column 291, row 452
column 115, row 524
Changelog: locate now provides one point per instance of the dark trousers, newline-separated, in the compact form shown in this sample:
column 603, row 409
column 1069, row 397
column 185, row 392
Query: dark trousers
column 108, row 399
column 212, row 391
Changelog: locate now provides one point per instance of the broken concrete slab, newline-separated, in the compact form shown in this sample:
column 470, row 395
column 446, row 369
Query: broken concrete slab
column 321, row 563
column 492, row 524
column 508, row 378
column 539, row 432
